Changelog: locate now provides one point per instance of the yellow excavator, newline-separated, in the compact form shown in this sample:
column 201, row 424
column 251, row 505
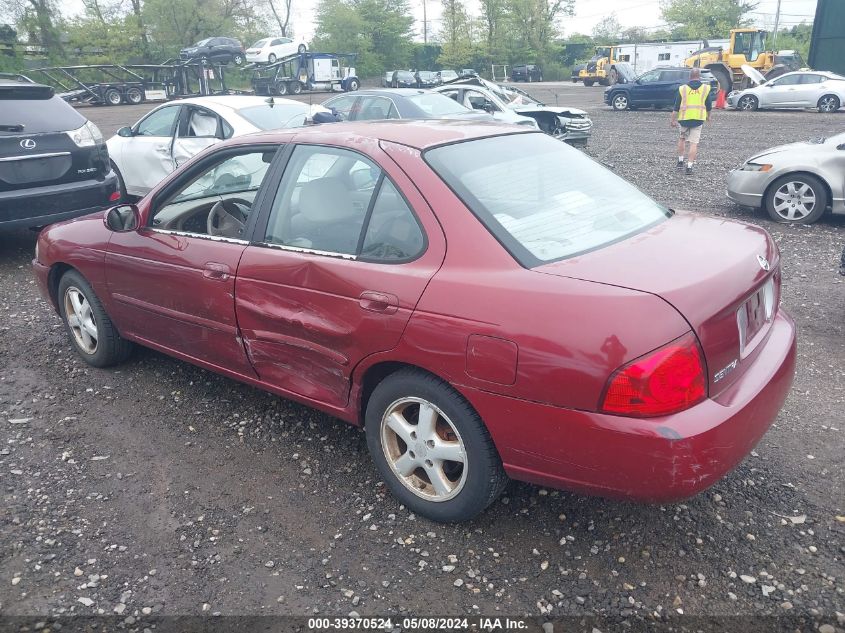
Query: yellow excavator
column 747, row 47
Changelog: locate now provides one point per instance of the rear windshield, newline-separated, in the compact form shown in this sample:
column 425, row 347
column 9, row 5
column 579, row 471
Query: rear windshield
column 543, row 200
column 265, row 117
column 38, row 116
column 436, row 105
column 404, row 74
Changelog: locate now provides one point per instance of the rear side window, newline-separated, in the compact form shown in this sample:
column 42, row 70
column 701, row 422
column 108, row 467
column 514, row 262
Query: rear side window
column 541, row 199
column 38, row 116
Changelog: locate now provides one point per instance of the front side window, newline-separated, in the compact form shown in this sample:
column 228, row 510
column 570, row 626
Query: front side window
column 159, row 123
column 336, row 201
column 542, row 199
column 343, row 106
column 478, row 101
column 218, row 201
column 437, row 104
column 650, row 77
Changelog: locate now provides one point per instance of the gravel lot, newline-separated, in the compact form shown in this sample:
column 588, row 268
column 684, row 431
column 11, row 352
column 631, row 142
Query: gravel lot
column 159, row 488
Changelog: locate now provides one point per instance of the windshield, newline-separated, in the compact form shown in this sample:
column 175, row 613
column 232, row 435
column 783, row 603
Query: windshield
column 542, row 199
column 270, row 117
column 404, row 74
column 437, row 105
column 260, row 44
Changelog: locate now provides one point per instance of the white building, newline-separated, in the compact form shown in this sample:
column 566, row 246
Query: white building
column 648, row 55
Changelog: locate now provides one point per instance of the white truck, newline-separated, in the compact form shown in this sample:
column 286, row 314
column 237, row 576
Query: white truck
column 306, row 71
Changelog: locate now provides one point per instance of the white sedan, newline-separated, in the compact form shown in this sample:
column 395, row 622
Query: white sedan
column 142, row 155
column 270, row 49
column 801, row 89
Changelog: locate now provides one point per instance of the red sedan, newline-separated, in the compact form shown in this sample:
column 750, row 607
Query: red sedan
column 485, row 301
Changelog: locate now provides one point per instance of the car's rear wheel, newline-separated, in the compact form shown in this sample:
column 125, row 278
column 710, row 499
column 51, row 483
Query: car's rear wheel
column 619, row 101
column 134, row 96
column 281, row 88
column 432, row 448
column 113, row 97
column 271, row 58
column 828, row 104
column 295, row 87
column 748, row 102
column 238, row 59
column 796, row 199
column 91, row 330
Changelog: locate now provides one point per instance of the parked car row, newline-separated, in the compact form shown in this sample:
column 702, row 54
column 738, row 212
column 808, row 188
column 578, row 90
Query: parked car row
column 227, row 50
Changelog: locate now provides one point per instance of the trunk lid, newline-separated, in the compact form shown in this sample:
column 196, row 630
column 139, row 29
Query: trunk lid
column 721, row 275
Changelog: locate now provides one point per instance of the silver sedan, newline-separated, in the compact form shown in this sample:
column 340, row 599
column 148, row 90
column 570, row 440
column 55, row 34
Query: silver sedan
column 794, row 183
column 803, row 89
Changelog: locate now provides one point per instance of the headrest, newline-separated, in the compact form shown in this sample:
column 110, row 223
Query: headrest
column 325, row 200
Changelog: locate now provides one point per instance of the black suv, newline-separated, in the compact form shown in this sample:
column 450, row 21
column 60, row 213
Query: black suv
column 54, row 163
column 526, row 72
column 655, row 88
column 215, row 49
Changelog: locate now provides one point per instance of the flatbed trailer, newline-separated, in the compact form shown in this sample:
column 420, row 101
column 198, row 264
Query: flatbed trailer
column 305, row 71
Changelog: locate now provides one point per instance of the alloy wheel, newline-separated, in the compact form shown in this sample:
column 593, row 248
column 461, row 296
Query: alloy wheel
column 747, row 103
column 423, row 449
column 794, row 201
column 620, row 102
column 828, row 104
column 80, row 319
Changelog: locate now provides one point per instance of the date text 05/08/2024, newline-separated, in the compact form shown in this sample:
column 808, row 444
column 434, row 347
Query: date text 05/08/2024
column 418, row 624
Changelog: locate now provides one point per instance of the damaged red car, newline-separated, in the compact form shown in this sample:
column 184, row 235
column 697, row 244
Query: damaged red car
column 485, row 301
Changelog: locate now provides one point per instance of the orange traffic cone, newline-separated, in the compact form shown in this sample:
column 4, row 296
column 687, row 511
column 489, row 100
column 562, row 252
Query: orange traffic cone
column 721, row 101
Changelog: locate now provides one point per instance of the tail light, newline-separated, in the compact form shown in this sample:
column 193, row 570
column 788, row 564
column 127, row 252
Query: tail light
column 669, row 379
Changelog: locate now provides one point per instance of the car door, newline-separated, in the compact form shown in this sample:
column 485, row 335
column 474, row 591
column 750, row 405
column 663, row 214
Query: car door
column 198, row 128
column 809, row 89
column 780, row 92
column 335, row 269
column 646, row 88
column 172, row 281
column 146, row 157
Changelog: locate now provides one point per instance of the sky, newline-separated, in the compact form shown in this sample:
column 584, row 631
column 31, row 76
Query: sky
column 630, row 13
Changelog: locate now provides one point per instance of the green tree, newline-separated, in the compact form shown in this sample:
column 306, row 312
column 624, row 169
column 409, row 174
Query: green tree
column 455, row 35
column 704, row 19
column 608, row 30
column 535, row 24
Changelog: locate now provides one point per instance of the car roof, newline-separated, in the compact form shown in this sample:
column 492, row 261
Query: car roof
column 390, row 92
column 237, row 102
column 420, row 134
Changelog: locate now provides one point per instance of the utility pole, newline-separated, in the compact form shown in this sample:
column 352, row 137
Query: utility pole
column 777, row 20
column 425, row 25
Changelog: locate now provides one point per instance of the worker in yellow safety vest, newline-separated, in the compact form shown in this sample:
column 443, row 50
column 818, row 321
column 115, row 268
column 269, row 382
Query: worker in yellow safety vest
column 692, row 109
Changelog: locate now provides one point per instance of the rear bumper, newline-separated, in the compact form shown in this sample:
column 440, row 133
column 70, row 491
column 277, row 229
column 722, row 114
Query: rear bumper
column 40, row 206
column 655, row 460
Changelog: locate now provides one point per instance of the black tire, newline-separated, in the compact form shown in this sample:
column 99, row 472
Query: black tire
column 121, row 185
column 749, row 103
column 620, row 101
column 829, row 104
column 588, row 82
column 110, row 348
column 271, row 58
column 281, row 88
column 238, row 59
column 113, row 97
column 352, row 85
column 482, row 474
column 301, row 49
column 613, row 77
column 294, row 87
column 781, row 208
column 134, row 96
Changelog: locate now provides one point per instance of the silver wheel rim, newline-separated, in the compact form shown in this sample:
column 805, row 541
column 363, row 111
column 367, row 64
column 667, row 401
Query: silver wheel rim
column 114, row 98
column 80, row 320
column 746, row 104
column 620, row 102
column 134, row 96
column 424, row 449
column 827, row 104
column 794, row 201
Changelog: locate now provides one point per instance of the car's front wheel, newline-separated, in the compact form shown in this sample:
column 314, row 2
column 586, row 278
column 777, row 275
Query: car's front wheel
column 748, row 102
column 797, row 199
column 432, row 448
column 620, row 101
column 238, row 59
column 828, row 104
column 91, row 330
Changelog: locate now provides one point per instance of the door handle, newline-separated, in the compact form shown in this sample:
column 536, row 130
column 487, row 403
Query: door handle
column 379, row 302
column 162, row 149
column 215, row 271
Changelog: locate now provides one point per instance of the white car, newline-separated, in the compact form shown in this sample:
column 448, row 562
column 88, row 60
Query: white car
column 142, row 155
column 801, row 89
column 270, row 49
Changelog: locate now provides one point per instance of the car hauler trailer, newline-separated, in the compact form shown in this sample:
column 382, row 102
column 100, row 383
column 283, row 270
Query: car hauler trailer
column 306, row 71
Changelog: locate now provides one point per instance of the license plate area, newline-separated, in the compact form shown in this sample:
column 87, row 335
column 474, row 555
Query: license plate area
column 754, row 315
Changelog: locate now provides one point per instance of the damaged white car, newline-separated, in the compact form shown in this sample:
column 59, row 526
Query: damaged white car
column 512, row 105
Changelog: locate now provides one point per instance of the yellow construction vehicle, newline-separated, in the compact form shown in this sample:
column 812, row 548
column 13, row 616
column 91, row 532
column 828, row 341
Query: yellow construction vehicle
column 747, row 47
column 601, row 68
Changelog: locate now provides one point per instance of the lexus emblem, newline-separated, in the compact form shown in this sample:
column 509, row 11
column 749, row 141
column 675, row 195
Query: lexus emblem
column 28, row 143
column 764, row 263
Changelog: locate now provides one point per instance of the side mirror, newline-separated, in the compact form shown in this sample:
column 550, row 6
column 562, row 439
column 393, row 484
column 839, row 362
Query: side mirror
column 122, row 218
column 125, row 132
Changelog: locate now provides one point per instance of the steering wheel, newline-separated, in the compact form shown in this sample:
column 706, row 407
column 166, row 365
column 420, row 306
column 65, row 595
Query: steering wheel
column 227, row 218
